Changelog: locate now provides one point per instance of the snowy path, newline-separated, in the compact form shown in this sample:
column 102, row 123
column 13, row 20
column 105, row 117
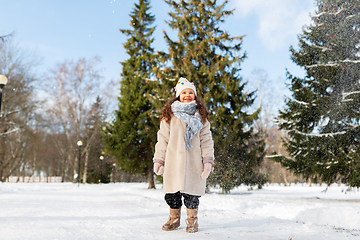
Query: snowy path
column 130, row 211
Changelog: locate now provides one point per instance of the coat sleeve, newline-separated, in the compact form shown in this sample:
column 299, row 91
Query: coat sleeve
column 163, row 136
column 206, row 144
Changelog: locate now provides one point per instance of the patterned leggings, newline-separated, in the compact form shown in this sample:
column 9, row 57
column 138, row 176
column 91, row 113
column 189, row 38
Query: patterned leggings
column 174, row 200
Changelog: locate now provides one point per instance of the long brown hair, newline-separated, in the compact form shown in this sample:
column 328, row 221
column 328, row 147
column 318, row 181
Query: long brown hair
column 167, row 113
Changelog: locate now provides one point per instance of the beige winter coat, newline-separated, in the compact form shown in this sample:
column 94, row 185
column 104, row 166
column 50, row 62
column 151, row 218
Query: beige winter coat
column 183, row 168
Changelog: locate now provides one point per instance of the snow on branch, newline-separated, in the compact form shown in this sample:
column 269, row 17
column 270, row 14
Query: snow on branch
column 350, row 125
column 283, row 121
column 322, row 48
column 330, row 13
column 154, row 80
column 274, row 156
column 351, row 16
column 350, row 93
column 351, row 61
column 279, row 155
column 322, row 65
column 301, row 102
column 300, row 151
column 11, row 131
column 318, row 135
column 332, row 64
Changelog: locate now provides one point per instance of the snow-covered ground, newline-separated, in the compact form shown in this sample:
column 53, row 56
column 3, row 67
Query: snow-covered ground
column 131, row 211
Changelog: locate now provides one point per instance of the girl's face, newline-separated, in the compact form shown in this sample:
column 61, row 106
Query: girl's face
column 187, row 95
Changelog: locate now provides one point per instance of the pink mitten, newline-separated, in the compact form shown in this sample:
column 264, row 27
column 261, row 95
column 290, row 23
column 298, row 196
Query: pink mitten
column 207, row 169
column 158, row 168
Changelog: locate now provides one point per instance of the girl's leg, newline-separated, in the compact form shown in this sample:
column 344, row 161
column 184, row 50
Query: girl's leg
column 173, row 200
column 191, row 201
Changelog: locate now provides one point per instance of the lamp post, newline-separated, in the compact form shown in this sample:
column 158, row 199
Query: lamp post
column 101, row 160
column 113, row 172
column 79, row 143
column 3, row 82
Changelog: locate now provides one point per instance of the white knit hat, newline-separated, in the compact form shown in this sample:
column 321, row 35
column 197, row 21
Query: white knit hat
column 182, row 84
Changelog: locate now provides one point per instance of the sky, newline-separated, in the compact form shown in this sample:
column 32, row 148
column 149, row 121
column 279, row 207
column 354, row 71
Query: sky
column 69, row 30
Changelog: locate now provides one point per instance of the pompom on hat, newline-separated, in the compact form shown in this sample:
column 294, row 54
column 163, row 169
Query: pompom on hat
column 182, row 84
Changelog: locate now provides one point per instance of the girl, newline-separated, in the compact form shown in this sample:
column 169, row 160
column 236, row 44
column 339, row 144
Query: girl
column 184, row 153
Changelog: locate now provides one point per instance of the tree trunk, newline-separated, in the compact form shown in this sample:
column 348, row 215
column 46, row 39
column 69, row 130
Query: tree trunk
column 286, row 183
column 75, row 169
column 33, row 168
column 151, row 177
column 63, row 171
column 2, row 160
column 1, row 172
column 18, row 175
column 31, row 178
column 86, row 165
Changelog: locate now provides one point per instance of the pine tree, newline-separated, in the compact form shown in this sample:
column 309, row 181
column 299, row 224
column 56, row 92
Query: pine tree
column 322, row 116
column 208, row 56
column 96, row 167
column 131, row 137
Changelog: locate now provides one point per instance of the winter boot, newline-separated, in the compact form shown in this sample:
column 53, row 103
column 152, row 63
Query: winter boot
column 173, row 221
column 192, row 220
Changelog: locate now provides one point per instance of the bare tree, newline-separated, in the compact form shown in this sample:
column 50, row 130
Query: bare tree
column 73, row 88
column 18, row 106
column 270, row 96
column 93, row 137
column 4, row 38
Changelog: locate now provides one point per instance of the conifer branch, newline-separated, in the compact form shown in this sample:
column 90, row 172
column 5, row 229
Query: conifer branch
column 319, row 134
column 350, row 125
column 329, row 13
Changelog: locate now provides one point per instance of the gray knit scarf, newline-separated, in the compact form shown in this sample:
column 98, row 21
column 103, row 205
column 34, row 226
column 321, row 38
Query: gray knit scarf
column 188, row 113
